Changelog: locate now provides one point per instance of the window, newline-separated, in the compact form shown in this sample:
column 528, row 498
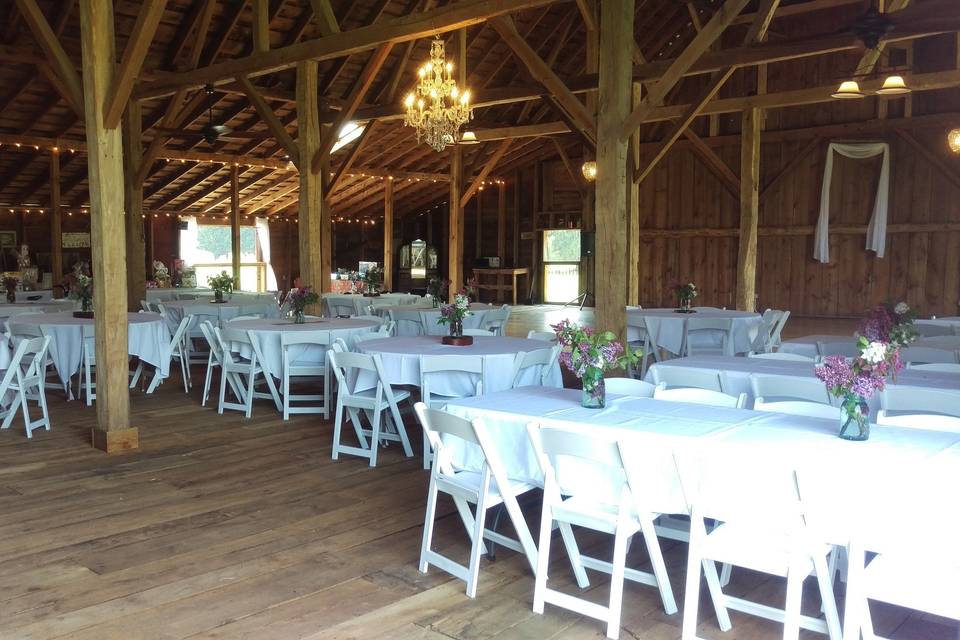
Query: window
column 209, row 249
column 561, row 265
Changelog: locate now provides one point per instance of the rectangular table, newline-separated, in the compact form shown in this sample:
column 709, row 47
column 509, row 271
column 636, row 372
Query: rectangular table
column 737, row 373
column 807, row 345
column 499, row 287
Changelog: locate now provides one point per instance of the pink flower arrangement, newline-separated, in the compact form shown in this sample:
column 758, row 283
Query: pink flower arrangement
column 890, row 324
column 588, row 353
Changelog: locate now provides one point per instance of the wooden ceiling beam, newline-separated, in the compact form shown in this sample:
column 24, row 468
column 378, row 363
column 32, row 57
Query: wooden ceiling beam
column 360, row 88
column 219, row 202
column 200, row 13
column 871, row 56
column 270, row 119
column 716, row 165
column 131, row 62
column 450, row 17
column 58, row 58
column 230, row 18
column 212, row 189
column 326, row 18
column 488, row 166
column 351, row 156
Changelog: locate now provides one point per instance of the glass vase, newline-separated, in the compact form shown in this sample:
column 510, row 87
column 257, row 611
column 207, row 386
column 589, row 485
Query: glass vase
column 298, row 316
column 594, row 394
column 854, row 419
column 217, row 295
column 685, row 305
column 436, row 301
column 11, row 296
column 456, row 328
column 86, row 305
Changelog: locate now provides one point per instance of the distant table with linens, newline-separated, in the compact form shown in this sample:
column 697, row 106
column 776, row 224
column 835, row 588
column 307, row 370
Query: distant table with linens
column 950, row 321
column 8, row 309
column 807, row 345
column 737, row 374
column 268, row 332
column 216, row 313
column 668, row 327
column 357, row 303
column 737, row 437
column 157, row 294
column 147, row 339
column 401, row 362
column 478, row 312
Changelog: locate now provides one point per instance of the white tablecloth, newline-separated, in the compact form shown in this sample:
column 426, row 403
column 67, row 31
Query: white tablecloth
column 214, row 312
column 21, row 306
column 268, row 332
column 738, row 372
column 478, row 312
column 39, row 295
column 401, row 363
column 737, row 438
column 947, row 320
column 807, row 345
column 357, row 303
column 147, row 337
column 239, row 297
column 667, row 325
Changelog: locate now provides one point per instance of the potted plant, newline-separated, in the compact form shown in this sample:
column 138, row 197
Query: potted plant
column 82, row 289
column 588, row 354
column 452, row 315
column 437, row 289
column 884, row 331
column 300, row 299
column 221, row 284
column 372, row 280
column 10, row 284
column 685, row 295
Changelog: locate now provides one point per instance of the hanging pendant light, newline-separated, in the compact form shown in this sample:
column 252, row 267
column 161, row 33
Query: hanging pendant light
column 848, row 89
column 469, row 137
column 953, row 140
column 589, row 170
column 893, row 86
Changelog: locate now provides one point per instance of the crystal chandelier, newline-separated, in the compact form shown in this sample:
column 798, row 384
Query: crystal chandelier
column 436, row 108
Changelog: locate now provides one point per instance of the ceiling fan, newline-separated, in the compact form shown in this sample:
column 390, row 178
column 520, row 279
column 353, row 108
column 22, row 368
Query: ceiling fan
column 212, row 132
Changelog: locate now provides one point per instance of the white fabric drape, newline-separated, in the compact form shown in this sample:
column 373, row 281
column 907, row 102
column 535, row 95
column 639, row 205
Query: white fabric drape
column 877, row 229
column 189, row 238
column 263, row 234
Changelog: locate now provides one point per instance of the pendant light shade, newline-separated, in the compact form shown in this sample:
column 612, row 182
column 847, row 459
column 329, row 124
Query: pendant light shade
column 848, row 89
column 469, row 137
column 893, row 86
column 589, row 170
column 953, row 140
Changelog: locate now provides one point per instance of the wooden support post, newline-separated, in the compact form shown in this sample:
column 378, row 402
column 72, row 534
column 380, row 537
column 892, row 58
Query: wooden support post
column 588, row 222
column 455, row 226
column 633, row 219
column 749, row 209
column 311, row 184
column 502, row 232
column 105, row 166
column 388, row 234
column 478, row 228
column 56, row 219
column 133, row 198
column 326, row 221
column 235, row 222
column 616, row 46
column 260, row 30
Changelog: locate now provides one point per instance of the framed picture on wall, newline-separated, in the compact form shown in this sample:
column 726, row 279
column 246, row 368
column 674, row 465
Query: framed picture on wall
column 75, row 239
column 8, row 239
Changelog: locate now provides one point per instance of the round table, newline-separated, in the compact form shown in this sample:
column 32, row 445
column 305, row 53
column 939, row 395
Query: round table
column 401, row 363
column 668, row 326
column 268, row 332
column 357, row 303
column 478, row 311
column 216, row 313
column 240, row 297
column 147, row 339
column 50, row 306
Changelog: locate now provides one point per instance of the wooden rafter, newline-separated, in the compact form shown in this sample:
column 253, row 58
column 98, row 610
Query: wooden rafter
column 50, row 43
column 360, row 88
column 326, row 18
column 714, row 163
column 219, row 202
column 270, row 119
column 790, row 166
column 132, row 60
column 488, row 166
column 871, row 56
column 450, row 17
column 683, row 63
column 575, row 176
column 229, row 20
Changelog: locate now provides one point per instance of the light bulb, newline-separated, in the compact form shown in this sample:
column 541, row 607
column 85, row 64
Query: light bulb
column 408, row 102
column 848, row 89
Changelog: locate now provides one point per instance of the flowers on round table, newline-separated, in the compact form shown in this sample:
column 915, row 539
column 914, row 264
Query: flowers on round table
column 302, row 297
column 456, row 311
column 588, row 353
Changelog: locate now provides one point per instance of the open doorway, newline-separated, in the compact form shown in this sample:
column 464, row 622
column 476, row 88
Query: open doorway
column 561, row 265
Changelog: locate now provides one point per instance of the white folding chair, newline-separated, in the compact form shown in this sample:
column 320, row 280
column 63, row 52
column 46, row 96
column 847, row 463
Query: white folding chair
column 541, row 360
column 239, row 372
column 629, row 387
column 845, row 348
column 775, row 339
column 907, row 570
column 939, row 368
column 195, row 338
column 782, row 355
column 50, row 365
column 772, row 387
column 348, row 368
column 88, row 360
column 272, row 392
column 407, row 322
column 701, row 396
column 478, row 332
column 603, row 495
column 927, row 355
column 761, row 341
column 214, row 360
column 546, row 336
column 701, row 334
column 337, row 308
column 145, row 306
column 486, row 488
column 358, row 338
column 930, row 330
column 763, row 528
column 293, row 343
column 447, row 367
column 174, row 350
column 25, row 379
column 496, row 320
column 687, row 377
column 920, row 408
column 647, row 342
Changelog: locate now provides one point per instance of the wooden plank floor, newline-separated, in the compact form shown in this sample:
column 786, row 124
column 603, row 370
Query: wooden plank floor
column 222, row 527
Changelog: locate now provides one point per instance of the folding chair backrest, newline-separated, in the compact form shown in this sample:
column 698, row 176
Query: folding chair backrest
column 24, row 330
column 928, row 355
column 289, row 338
column 846, row 348
column 478, row 332
column 546, row 336
column 227, row 337
column 145, row 306
column 337, row 307
column 541, row 359
column 343, row 362
column 339, row 344
column 768, row 322
column 687, row 377
column 932, row 330
column 783, row 355
column 629, row 387
column 256, row 316
column 796, row 408
column 409, row 318
column 913, row 407
column 778, row 329
column 370, row 335
column 207, row 329
column 937, row 367
column 372, row 318
column 789, row 388
column 436, row 426
column 701, row 396
column 496, row 319
column 579, row 464
column 19, row 355
column 180, row 332
column 431, row 366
